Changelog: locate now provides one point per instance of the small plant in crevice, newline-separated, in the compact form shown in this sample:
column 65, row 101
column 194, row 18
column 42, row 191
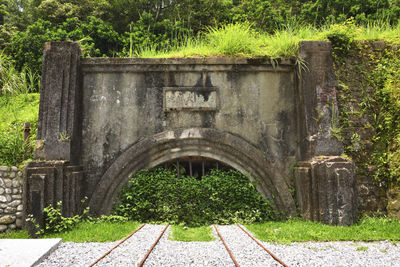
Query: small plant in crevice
column 224, row 197
column 56, row 223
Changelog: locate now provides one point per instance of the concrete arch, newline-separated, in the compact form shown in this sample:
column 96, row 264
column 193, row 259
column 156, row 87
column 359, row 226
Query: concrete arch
column 222, row 146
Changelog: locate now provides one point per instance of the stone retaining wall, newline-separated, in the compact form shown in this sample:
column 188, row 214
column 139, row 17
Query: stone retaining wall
column 10, row 198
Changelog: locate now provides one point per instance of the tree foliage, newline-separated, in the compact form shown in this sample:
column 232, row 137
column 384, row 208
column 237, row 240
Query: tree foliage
column 123, row 27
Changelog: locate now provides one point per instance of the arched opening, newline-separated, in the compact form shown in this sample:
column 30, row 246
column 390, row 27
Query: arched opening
column 207, row 143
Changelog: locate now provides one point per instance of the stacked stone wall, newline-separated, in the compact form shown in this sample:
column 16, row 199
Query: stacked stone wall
column 11, row 207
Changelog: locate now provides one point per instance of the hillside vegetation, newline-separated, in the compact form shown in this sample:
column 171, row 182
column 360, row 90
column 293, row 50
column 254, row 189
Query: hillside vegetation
column 117, row 28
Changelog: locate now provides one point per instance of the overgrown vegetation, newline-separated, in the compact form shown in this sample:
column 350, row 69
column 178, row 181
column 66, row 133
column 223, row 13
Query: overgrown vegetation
column 386, row 156
column 223, row 197
column 369, row 107
column 241, row 39
column 15, row 110
column 17, row 105
column 367, row 229
column 55, row 222
column 128, row 27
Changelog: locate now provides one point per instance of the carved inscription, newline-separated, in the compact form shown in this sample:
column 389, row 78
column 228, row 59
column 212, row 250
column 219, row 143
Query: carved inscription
column 190, row 98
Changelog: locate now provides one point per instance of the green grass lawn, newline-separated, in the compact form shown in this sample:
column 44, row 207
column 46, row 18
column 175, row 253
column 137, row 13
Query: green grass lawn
column 86, row 232
column 367, row 229
column 16, row 234
column 181, row 233
column 97, row 232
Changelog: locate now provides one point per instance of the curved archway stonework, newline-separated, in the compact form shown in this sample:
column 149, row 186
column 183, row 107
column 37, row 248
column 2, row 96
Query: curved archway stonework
column 101, row 119
column 225, row 147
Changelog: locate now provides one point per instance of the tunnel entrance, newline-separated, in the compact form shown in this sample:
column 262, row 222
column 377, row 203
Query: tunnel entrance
column 118, row 116
column 194, row 191
column 195, row 144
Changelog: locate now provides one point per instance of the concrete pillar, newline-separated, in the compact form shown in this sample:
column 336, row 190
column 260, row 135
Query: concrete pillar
column 59, row 126
column 56, row 175
column 325, row 181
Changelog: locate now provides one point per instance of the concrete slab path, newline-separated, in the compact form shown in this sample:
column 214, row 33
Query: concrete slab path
column 26, row 252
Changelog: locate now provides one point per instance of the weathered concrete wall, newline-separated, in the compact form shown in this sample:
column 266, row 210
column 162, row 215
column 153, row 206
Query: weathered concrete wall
column 10, row 198
column 325, row 184
column 127, row 100
column 325, row 190
column 106, row 118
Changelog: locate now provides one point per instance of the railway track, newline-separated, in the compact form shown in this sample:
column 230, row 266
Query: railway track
column 155, row 241
column 231, row 254
column 103, row 257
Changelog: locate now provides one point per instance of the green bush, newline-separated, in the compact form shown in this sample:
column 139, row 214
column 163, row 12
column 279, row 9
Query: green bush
column 342, row 36
column 223, row 197
column 56, row 223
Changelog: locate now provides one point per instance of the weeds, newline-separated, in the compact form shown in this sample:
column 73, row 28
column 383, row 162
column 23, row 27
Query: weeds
column 14, row 82
column 241, row 39
column 15, row 110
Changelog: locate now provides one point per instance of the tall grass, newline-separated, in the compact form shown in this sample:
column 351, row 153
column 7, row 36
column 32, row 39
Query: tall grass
column 242, row 40
column 16, row 82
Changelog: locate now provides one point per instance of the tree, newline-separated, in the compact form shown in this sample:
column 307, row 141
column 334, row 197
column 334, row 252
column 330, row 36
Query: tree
column 57, row 11
column 3, row 10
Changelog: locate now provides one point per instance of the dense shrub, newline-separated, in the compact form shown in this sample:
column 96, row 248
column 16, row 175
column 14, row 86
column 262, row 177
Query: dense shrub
column 223, row 197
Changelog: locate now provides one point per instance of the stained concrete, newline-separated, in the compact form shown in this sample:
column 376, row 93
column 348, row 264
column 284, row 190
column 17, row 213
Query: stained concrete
column 26, row 252
column 126, row 101
column 106, row 118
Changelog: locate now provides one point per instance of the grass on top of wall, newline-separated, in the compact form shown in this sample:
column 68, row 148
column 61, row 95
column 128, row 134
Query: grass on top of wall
column 367, row 229
column 243, row 41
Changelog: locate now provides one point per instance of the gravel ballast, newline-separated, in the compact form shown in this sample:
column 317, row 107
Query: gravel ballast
column 246, row 252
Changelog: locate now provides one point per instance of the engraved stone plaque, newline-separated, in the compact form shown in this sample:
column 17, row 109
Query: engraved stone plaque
column 190, row 98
